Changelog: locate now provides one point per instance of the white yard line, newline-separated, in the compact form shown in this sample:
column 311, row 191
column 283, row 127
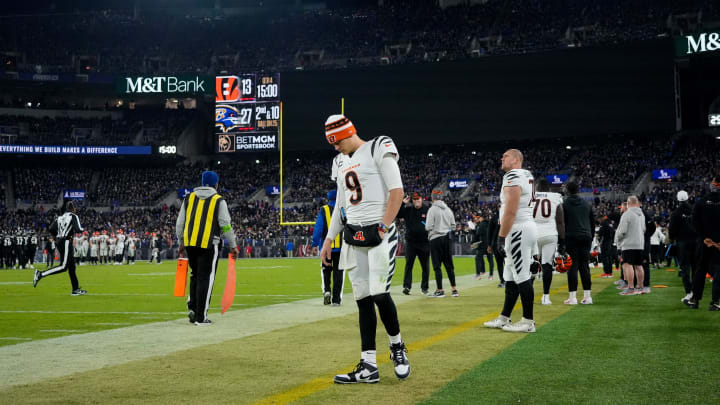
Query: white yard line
column 39, row 360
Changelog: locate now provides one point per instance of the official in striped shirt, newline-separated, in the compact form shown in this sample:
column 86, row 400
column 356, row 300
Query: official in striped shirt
column 64, row 228
column 202, row 220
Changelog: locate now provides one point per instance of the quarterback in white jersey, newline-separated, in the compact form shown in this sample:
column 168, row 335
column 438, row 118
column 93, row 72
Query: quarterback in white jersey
column 549, row 219
column 369, row 195
column 516, row 224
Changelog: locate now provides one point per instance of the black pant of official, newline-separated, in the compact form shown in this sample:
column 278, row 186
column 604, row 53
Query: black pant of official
column 422, row 252
column 480, row 260
column 337, row 275
column 441, row 253
column 686, row 250
column 607, row 257
column 579, row 251
column 708, row 262
column 203, row 263
column 67, row 263
column 646, row 263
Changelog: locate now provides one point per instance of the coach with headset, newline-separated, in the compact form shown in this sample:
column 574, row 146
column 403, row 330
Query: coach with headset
column 202, row 218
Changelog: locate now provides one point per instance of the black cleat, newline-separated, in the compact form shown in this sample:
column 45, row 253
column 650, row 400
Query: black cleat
column 398, row 354
column 691, row 304
column 326, row 298
column 714, row 306
column 364, row 373
column 36, row 278
column 406, row 291
column 191, row 316
column 206, row 322
column 79, row 292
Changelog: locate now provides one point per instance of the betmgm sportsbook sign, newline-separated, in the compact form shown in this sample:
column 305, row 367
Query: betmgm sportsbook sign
column 166, row 85
column 697, row 44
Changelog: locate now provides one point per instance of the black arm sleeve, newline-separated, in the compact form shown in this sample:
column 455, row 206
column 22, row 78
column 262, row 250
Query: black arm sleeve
column 53, row 228
column 592, row 222
column 76, row 224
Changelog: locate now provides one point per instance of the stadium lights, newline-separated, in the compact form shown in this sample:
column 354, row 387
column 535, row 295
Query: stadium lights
column 430, row 154
column 474, row 153
column 298, row 159
column 717, row 137
column 568, row 147
column 257, row 161
column 218, row 162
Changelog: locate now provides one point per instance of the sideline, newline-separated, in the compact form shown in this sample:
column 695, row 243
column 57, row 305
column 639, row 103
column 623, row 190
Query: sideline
column 322, row 383
column 39, row 360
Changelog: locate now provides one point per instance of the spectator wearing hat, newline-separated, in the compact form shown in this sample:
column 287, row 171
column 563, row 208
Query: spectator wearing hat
column 440, row 222
column 480, row 244
column 682, row 232
column 203, row 220
column 416, row 241
column 330, row 294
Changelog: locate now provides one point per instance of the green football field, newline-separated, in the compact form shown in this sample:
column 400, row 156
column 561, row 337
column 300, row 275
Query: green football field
column 128, row 341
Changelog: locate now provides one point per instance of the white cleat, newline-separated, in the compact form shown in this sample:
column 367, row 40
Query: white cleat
column 570, row 301
column 498, row 323
column 545, row 300
column 525, row 326
column 587, row 301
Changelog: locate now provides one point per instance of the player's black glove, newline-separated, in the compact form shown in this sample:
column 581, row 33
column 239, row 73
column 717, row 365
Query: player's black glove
column 500, row 246
column 561, row 247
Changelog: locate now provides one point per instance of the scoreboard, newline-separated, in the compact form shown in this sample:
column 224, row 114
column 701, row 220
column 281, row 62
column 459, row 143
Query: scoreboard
column 247, row 112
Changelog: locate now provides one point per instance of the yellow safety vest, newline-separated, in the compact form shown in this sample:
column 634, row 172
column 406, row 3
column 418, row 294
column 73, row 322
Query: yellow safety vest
column 328, row 214
column 200, row 223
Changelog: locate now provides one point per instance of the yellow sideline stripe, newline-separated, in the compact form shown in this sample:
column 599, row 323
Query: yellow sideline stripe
column 323, row 383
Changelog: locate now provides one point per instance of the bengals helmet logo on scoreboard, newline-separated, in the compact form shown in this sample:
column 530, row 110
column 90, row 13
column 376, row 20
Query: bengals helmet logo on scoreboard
column 227, row 88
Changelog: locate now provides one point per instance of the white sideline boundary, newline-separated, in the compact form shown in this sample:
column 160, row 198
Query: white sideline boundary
column 39, row 360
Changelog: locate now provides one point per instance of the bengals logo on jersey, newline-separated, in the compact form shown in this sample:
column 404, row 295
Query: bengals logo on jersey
column 227, row 88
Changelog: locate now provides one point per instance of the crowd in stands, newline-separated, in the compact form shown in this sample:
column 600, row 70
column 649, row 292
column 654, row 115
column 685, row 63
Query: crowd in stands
column 398, row 31
column 257, row 219
column 152, row 127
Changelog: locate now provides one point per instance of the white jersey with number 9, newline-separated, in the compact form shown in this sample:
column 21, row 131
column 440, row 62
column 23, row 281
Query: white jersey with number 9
column 360, row 182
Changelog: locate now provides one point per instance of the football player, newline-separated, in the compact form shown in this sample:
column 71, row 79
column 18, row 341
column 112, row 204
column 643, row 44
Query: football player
column 103, row 246
column 549, row 219
column 119, row 247
column 369, row 195
column 517, row 239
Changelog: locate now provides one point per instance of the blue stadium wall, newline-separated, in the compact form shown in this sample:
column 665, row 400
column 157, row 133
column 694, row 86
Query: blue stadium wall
column 575, row 92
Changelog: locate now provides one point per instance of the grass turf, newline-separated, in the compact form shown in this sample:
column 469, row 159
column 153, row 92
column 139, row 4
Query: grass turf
column 130, row 295
column 621, row 350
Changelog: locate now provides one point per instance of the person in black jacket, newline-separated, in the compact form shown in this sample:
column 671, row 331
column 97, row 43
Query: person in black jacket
column 416, row 241
column 706, row 218
column 480, row 244
column 579, row 233
column 607, row 236
column 493, row 229
column 682, row 232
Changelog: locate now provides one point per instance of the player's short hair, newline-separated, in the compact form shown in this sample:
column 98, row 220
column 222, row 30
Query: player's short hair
column 517, row 154
column 543, row 185
column 633, row 200
column 572, row 188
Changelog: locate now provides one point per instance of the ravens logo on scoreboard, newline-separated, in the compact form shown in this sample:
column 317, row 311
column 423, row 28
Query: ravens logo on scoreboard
column 227, row 118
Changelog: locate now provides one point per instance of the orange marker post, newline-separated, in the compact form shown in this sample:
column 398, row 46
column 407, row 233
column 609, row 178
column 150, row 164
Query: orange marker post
column 181, row 277
column 229, row 293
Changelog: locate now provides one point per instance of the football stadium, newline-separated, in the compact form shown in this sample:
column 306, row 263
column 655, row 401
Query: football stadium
column 360, row 202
